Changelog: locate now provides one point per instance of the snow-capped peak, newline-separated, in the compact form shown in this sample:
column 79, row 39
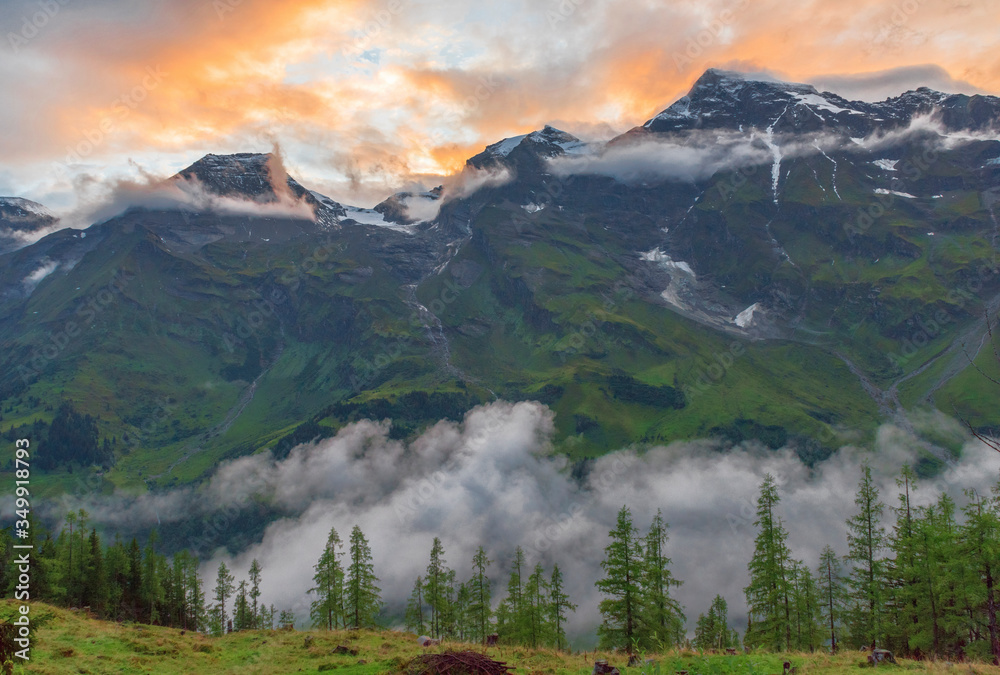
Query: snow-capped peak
column 549, row 139
column 23, row 208
column 722, row 99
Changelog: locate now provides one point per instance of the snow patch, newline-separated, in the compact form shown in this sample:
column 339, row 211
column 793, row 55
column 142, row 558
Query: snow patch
column 533, row 208
column 834, row 179
column 658, row 256
column 883, row 191
column 372, row 217
column 817, row 101
column 886, row 164
column 745, row 318
column 503, row 148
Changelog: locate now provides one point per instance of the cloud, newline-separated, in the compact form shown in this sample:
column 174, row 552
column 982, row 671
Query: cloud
column 700, row 154
column 492, row 480
column 689, row 157
column 46, row 268
column 370, row 95
column 884, row 84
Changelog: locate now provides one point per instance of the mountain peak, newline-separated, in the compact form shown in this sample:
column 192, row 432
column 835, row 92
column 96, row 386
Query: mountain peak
column 546, row 142
column 731, row 82
column 258, row 176
column 20, row 221
column 18, row 208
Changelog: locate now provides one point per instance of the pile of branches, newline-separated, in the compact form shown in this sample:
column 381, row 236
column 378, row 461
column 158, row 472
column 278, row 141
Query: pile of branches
column 456, row 663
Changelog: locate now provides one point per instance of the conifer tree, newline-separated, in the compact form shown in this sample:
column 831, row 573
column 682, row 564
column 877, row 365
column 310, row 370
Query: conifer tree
column 327, row 610
column 806, row 608
column 866, row 540
column 712, row 629
column 364, row 600
column 435, row 588
column 151, row 585
column 241, row 608
column 449, row 611
column 414, row 616
column 480, row 612
column 831, row 593
column 623, row 567
column 767, row 595
column 134, row 585
column 224, row 590
column 901, row 570
column 116, row 563
column 981, row 541
column 254, row 594
column 559, row 605
column 195, row 594
column 463, row 629
column 287, row 618
column 512, row 619
column 663, row 619
column 535, row 605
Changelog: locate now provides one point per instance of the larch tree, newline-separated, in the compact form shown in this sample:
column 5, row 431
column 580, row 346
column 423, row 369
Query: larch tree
column 480, row 611
column 712, row 629
column 363, row 596
column 621, row 608
column 559, row 605
column 436, row 588
column 254, row 593
column 535, row 606
column 512, row 617
column 662, row 616
column 241, row 608
column 327, row 610
column 808, row 634
column 831, row 593
column 224, row 589
column 414, row 616
column 866, row 539
column 981, row 539
column 903, row 583
column 768, row 602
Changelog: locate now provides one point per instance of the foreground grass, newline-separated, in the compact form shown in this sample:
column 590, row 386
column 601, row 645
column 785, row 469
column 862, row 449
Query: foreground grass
column 71, row 642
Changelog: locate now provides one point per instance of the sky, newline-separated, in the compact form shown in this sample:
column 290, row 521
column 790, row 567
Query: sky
column 364, row 97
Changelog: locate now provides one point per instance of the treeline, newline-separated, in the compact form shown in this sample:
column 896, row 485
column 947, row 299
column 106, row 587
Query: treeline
column 119, row 582
column 70, row 439
column 129, row 582
column 919, row 580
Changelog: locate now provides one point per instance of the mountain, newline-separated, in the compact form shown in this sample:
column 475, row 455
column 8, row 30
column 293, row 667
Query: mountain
column 546, row 143
column 20, row 220
column 726, row 100
column 760, row 261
